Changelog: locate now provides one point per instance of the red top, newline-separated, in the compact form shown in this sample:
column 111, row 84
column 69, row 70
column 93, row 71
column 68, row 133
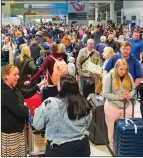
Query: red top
column 48, row 64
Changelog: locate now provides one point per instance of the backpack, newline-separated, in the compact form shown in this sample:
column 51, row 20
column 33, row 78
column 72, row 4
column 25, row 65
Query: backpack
column 39, row 61
column 60, row 68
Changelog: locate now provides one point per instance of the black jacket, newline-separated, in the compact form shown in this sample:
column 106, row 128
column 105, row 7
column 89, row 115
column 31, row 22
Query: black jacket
column 13, row 112
column 114, row 44
column 96, row 36
column 26, row 68
column 35, row 51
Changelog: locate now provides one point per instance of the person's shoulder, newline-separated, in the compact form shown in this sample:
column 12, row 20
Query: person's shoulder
column 130, row 39
column 130, row 75
column 133, row 57
column 109, row 76
column 82, row 50
column 52, row 102
column 141, row 42
column 134, row 60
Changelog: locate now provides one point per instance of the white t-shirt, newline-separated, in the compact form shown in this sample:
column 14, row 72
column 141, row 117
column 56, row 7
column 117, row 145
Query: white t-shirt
column 71, row 69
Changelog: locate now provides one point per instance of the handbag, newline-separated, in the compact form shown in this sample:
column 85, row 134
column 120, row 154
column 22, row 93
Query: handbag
column 94, row 68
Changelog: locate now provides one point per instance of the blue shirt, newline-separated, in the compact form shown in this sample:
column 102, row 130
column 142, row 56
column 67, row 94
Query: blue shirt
column 100, row 47
column 134, row 65
column 137, row 47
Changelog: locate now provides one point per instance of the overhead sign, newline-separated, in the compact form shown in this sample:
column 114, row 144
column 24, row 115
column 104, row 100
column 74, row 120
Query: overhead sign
column 17, row 9
column 46, row 12
column 79, row 6
column 77, row 16
column 46, row 9
column 46, row 6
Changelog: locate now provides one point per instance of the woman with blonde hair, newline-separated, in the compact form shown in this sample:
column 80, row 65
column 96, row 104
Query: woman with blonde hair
column 48, row 66
column 19, row 38
column 26, row 66
column 18, row 51
column 61, row 48
column 107, row 53
column 120, row 38
column 8, row 50
column 14, row 113
column 117, row 86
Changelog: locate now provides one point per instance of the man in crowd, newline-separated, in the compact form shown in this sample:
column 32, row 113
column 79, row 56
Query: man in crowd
column 137, row 45
column 112, row 43
column 96, row 35
column 82, row 67
column 134, row 65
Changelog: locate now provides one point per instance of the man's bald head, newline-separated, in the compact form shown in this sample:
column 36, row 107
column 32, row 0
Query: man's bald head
column 90, row 44
column 90, row 41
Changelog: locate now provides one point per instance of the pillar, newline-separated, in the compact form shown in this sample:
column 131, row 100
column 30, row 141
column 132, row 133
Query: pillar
column 141, row 24
column 101, row 16
column 96, row 12
column 107, row 15
column 113, row 13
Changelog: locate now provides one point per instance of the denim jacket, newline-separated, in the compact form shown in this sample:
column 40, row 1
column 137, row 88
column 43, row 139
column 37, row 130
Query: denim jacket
column 52, row 114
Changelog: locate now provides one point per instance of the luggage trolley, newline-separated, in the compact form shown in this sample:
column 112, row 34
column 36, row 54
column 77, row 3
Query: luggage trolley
column 37, row 143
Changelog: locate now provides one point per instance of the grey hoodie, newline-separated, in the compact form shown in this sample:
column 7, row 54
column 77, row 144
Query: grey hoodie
column 111, row 95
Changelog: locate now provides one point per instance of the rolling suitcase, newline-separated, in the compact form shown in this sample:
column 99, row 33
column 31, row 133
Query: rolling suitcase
column 128, row 136
column 99, row 118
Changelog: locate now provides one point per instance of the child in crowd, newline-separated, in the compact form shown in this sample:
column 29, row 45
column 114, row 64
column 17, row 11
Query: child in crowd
column 71, row 66
column 40, row 60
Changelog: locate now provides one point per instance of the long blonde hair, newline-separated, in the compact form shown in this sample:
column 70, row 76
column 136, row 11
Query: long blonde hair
column 116, row 78
column 109, row 52
column 25, row 52
column 61, row 48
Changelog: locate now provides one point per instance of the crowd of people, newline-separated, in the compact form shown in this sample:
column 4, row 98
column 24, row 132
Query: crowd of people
column 32, row 59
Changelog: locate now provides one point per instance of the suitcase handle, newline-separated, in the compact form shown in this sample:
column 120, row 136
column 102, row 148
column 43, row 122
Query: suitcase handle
column 129, row 120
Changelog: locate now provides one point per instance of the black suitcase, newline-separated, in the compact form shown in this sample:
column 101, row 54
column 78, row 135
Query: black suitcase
column 88, row 86
column 98, row 117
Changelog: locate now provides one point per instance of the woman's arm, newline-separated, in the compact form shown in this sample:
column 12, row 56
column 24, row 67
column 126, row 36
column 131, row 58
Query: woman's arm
column 133, row 91
column 107, row 88
column 27, row 93
column 43, row 67
column 40, row 120
column 89, row 119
